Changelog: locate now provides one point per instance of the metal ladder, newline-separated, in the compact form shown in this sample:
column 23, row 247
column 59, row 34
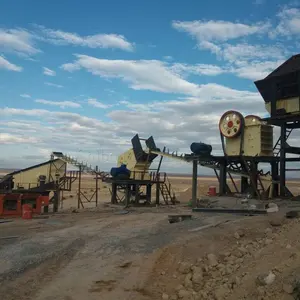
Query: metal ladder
column 276, row 148
column 167, row 193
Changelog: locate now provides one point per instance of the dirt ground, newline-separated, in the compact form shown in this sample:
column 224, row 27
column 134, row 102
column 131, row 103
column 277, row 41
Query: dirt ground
column 182, row 186
column 110, row 253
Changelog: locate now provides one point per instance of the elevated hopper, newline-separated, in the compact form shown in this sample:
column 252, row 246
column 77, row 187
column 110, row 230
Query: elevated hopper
column 281, row 88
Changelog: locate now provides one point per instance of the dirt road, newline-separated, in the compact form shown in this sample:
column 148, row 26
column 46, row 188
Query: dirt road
column 110, row 255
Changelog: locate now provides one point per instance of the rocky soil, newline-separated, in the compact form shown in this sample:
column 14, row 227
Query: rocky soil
column 250, row 263
column 114, row 256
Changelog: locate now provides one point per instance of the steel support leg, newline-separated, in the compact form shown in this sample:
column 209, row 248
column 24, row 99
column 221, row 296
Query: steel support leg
column 127, row 195
column 157, row 193
column 282, row 160
column 148, row 192
column 137, row 194
column 114, row 193
column 244, row 184
column 274, row 168
column 194, row 183
column 223, row 179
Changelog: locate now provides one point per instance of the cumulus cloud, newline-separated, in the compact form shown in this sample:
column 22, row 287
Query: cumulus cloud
column 97, row 104
column 247, row 52
column 218, row 30
column 289, row 22
column 60, row 37
column 255, row 70
column 61, row 104
column 198, row 69
column 151, row 75
column 49, row 72
column 7, row 138
column 18, row 41
column 6, row 65
column 168, row 121
column 228, row 41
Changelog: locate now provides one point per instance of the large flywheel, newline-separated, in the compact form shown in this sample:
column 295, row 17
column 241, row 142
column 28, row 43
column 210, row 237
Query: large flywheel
column 231, row 124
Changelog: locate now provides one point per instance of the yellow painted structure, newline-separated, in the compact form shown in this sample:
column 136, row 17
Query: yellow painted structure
column 29, row 177
column 257, row 139
column 139, row 170
column 291, row 105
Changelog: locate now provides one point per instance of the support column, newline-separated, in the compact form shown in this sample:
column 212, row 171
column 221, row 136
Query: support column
column 79, row 188
column 194, row 183
column 96, row 186
column 113, row 193
column 148, row 192
column 56, row 197
column 282, row 160
column 56, row 201
column 274, row 169
column 127, row 195
column 223, row 179
column 157, row 193
column 137, row 194
column 244, row 184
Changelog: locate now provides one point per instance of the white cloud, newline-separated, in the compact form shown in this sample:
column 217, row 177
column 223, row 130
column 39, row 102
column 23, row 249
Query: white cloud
column 168, row 121
column 7, row 138
column 289, row 22
column 198, row 69
column 6, row 65
column 218, row 30
column 49, row 72
column 62, row 104
column 234, row 53
column 255, row 70
column 227, row 40
column 53, row 84
column 60, row 37
column 98, row 104
column 137, row 106
column 71, row 67
column 18, row 41
column 25, row 96
column 140, row 74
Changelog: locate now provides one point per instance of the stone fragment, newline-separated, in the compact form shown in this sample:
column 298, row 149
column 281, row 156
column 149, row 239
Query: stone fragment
column 288, row 288
column 165, row 296
column 184, row 268
column 221, row 293
column 183, row 294
column 197, row 276
column 188, row 281
column 236, row 235
column 265, row 279
column 212, row 260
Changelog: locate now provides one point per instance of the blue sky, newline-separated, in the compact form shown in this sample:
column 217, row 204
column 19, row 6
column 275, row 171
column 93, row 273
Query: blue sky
column 84, row 77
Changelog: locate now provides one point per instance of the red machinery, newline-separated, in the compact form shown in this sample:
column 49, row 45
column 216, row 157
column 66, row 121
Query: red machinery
column 11, row 204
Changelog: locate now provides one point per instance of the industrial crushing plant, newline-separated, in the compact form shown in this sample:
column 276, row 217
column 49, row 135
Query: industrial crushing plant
column 133, row 179
column 41, row 185
column 248, row 141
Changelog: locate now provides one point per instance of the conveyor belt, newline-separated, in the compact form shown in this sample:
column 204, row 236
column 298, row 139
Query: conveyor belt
column 73, row 161
column 210, row 162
